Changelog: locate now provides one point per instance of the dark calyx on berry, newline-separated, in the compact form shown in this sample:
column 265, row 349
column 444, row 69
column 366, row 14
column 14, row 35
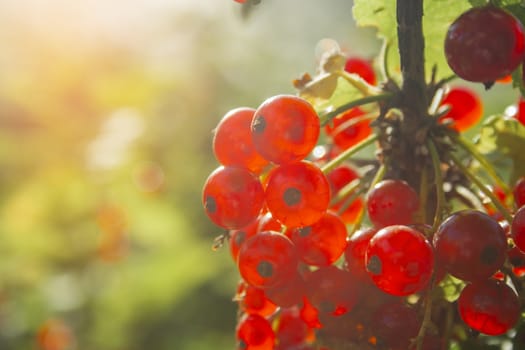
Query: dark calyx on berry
column 265, row 269
column 292, row 196
column 305, row 231
column 210, row 205
column 375, row 266
column 259, row 124
column 489, row 255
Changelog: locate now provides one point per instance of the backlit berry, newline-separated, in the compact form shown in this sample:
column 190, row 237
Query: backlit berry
column 254, row 333
column 285, row 129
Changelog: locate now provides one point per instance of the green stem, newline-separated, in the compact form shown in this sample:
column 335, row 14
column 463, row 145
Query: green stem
column 359, row 102
column 345, row 191
column 426, row 315
column 438, row 176
column 469, row 147
column 482, row 187
column 331, row 165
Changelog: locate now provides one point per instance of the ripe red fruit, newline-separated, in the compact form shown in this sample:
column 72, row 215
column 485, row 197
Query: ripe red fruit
column 291, row 330
column 253, row 300
column 470, row 245
column 395, row 324
column 289, row 293
column 519, row 192
column 297, row 194
column 232, row 142
column 332, row 290
column 267, row 259
column 285, row 129
column 347, row 130
column 339, row 178
column 322, row 243
column 484, row 44
column 518, row 228
column 255, row 333
column 238, row 237
column 232, row 197
column 400, row 260
column 361, row 67
column 392, row 202
column 355, row 251
column 466, row 108
column 490, row 306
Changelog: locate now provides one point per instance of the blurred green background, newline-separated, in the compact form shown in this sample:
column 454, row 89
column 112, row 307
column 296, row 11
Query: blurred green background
column 106, row 117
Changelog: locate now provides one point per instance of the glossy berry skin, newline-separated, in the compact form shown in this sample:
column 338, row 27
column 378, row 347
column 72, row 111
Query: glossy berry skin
column 518, row 228
column 238, row 237
column 465, row 110
column 347, row 130
column 470, row 245
column 321, row 243
column 232, row 141
column 361, row 67
column 490, row 307
column 400, row 260
column 355, row 251
column 332, row 290
column 289, row 293
column 291, row 330
column 519, row 192
column 253, row 300
column 395, row 324
column 267, row 259
column 254, row 333
column 297, row 194
column 339, row 178
column 392, row 202
column 232, row 197
column 285, row 129
column 484, row 44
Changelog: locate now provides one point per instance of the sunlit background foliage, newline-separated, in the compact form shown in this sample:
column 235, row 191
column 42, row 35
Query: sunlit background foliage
column 106, row 117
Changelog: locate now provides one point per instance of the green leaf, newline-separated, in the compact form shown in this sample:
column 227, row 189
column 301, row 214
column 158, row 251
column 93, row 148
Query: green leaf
column 438, row 15
column 504, row 138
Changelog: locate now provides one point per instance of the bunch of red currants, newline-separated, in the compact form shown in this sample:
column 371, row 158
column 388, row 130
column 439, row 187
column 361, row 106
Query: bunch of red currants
column 335, row 254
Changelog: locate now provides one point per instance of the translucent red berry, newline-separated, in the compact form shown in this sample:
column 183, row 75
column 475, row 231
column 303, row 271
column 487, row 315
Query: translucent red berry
column 291, row 330
column 392, row 202
column 465, row 106
column 339, row 178
column 232, row 142
column 518, row 228
column 484, row 44
column 332, row 290
column 253, row 300
column 267, row 259
column 321, row 243
column 254, row 333
column 361, row 67
column 470, row 245
column 238, row 237
column 289, row 293
column 519, row 192
column 232, row 197
column 490, row 306
column 400, row 260
column 297, row 194
column 349, row 128
column 285, row 129
column 355, row 251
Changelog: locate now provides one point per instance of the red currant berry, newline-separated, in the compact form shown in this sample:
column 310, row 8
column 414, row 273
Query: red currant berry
column 309, row 314
column 484, row 44
column 254, row 332
column 285, row 129
column 400, row 260
column 361, row 67
column 297, row 194
column 238, row 237
column 394, row 325
column 339, row 178
column 253, row 300
column 291, row 330
column 518, row 228
column 490, row 307
column 322, row 243
column 332, row 290
column 465, row 110
column 268, row 223
column 355, row 251
column 348, row 128
column 267, row 259
column 232, row 143
column 517, row 260
column 232, row 197
column 519, row 192
column 470, row 245
column 289, row 293
column 392, row 202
